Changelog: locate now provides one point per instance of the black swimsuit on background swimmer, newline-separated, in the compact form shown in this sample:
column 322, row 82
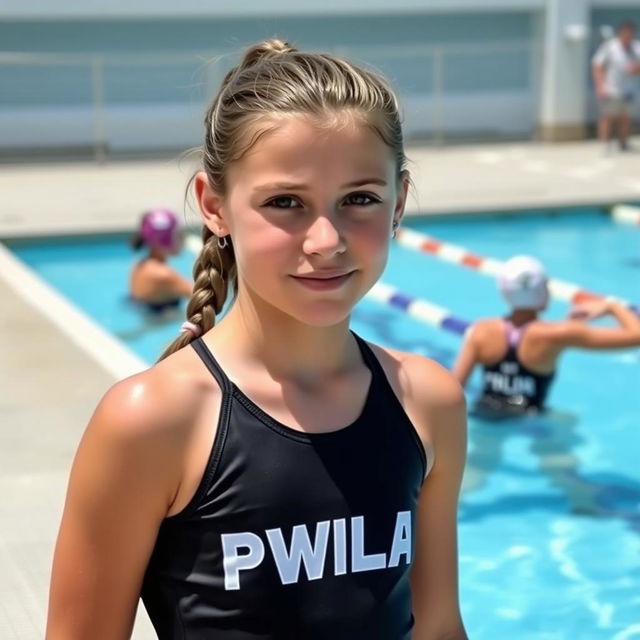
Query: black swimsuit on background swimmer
column 155, row 307
column 293, row 535
column 509, row 387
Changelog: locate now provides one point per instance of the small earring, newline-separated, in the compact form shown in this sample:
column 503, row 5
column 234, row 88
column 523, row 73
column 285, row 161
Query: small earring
column 394, row 228
column 222, row 242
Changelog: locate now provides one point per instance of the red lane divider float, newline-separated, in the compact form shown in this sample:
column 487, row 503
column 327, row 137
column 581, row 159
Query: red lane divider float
column 558, row 289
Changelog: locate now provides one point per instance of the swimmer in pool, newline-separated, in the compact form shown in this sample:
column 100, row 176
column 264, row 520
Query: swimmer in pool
column 519, row 353
column 153, row 283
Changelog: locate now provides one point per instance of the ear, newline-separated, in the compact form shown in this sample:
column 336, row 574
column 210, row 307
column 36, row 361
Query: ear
column 211, row 204
column 404, row 181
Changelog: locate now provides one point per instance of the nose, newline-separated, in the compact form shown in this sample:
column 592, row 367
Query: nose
column 323, row 238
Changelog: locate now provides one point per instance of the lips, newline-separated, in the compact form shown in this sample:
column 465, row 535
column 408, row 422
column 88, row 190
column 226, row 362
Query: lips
column 324, row 280
column 323, row 275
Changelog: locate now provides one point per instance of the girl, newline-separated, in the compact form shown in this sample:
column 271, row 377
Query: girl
column 154, row 284
column 519, row 353
column 275, row 476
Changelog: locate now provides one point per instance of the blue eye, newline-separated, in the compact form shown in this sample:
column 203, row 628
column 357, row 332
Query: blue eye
column 361, row 200
column 283, row 202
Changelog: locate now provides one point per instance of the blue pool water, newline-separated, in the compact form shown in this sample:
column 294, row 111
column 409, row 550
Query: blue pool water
column 550, row 514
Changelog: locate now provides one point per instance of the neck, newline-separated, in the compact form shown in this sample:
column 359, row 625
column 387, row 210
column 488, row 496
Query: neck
column 287, row 348
column 519, row 317
column 157, row 254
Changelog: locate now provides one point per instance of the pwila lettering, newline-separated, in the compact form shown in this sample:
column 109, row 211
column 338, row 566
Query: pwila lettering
column 313, row 556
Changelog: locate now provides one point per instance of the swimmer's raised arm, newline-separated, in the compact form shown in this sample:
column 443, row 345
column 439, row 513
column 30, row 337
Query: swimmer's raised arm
column 434, row 575
column 124, row 478
column 576, row 333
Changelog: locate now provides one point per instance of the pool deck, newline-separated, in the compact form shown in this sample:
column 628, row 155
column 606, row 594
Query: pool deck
column 50, row 384
column 84, row 197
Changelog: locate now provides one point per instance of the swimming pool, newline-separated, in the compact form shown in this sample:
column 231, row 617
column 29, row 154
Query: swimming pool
column 534, row 564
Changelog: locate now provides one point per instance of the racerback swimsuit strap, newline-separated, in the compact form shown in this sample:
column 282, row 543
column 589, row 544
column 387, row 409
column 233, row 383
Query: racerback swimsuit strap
column 514, row 334
column 212, row 364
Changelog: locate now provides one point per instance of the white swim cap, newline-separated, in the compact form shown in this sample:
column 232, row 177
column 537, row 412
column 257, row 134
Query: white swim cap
column 523, row 283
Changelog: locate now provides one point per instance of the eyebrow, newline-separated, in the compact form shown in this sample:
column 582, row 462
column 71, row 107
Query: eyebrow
column 292, row 186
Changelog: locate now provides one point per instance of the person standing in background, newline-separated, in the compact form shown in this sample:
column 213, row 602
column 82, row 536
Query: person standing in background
column 615, row 66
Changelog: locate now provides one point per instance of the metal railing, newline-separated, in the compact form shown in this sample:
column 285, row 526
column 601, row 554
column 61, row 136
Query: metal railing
column 105, row 101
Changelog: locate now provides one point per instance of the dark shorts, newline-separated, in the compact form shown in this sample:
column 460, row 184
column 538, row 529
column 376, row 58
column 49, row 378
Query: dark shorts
column 617, row 105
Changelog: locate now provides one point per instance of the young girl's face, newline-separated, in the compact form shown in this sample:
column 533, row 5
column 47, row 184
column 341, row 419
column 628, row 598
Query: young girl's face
column 310, row 211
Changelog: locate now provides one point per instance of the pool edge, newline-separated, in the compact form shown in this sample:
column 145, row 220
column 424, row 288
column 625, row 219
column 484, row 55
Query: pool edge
column 106, row 350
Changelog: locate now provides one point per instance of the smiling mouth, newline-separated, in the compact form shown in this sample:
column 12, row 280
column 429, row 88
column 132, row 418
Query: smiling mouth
column 324, row 275
column 323, row 281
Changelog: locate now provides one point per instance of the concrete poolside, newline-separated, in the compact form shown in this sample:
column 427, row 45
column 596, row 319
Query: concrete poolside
column 50, row 384
column 59, row 198
column 49, row 389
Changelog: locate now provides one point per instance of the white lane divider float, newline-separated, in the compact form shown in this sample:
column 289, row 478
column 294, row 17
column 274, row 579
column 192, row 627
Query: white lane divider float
column 421, row 310
column 626, row 214
column 558, row 289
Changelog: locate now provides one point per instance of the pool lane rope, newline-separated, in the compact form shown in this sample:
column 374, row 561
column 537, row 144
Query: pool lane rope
column 626, row 214
column 421, row 310
column 558, row 289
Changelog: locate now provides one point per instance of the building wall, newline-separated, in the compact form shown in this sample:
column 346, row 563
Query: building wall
column 614, row 15
column 155, row 75
column 78, row 9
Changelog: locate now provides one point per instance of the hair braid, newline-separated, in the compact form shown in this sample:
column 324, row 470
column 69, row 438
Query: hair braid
column 214, row 272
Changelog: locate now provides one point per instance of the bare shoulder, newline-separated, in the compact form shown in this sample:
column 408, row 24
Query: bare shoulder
column 434, row 402
column 484, row 327
column 431, row 396
column 556, row 332
column 420, row 379
column 159, row 402
column 155, row 270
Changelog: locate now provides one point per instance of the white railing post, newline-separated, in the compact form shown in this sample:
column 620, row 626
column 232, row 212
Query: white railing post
column 438, row 96
column 99, row 128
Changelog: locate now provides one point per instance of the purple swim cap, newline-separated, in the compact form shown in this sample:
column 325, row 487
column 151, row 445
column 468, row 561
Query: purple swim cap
column 159, row 228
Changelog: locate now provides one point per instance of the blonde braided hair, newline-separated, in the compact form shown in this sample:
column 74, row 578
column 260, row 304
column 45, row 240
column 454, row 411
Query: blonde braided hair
column 214, row 273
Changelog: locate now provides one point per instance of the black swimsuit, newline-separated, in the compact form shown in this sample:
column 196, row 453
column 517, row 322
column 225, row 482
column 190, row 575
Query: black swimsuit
column 509, row 387
column 295, row 535
column 156, row 307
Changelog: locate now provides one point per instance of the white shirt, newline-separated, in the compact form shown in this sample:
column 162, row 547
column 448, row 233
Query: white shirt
column 615, row 59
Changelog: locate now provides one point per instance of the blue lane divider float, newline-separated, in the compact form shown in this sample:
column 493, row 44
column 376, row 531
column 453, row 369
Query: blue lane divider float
column 421, row 310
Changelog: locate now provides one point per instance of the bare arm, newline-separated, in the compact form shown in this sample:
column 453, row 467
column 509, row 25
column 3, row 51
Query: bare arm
column 434, row 577
column 123, row 481
column 578, row 334
column 598, row 79
column 466, row 360
column 598, row 65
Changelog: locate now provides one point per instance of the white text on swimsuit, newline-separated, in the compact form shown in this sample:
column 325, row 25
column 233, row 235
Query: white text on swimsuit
column 246, row 551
